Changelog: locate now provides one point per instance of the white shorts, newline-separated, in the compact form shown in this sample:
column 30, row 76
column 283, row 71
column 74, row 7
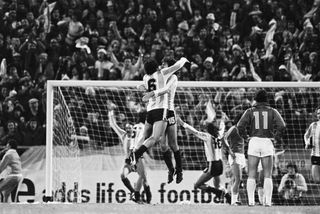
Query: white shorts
column 239, row 159
column 260, row 147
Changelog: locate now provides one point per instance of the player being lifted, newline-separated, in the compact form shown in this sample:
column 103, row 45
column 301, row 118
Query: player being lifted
column 157, row 108
column 313, row 134
column 171, row 131
column 262, row 120
column 131, row 138
column 213, row 153
column 236, row 159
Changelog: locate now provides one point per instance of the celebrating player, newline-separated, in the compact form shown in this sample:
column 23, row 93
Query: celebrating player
column 213, row 153
column 235, row 146
column 12, row 160
column 313, row 132
column 157, row 109
column 261, row 120
column 131, row 138
column 171, row 131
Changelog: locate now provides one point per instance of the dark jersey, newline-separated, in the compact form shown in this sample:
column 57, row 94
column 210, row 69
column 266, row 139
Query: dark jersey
column 234, row 140
column 263, row 121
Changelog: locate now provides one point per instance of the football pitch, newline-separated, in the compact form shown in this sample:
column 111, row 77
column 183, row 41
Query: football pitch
column 150, row 209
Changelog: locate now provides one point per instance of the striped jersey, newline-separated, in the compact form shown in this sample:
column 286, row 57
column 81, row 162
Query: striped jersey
column 234, row 140
column 159, row 80
column 173, row 83
column 138, row 136
column 314, row 132
column 131, row 140
column 212, row 146
column 155, row 81
column 262, row 120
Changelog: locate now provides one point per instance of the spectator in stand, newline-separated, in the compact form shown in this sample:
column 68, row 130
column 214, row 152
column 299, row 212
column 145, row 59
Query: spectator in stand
column 34, row 133
column 12, row 133
column 103, row 64
column 35, row 111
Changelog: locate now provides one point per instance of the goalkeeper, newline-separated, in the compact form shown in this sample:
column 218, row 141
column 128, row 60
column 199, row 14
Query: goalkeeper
column 131, row 138
column 261, row 120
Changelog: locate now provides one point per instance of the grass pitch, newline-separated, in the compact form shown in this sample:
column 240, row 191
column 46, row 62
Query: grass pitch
column 151, row 209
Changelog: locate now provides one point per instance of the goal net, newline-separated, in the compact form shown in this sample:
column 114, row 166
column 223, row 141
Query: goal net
column 80, row 139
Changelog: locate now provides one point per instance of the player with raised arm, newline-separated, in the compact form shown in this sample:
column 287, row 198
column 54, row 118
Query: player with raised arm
column 157, row 108
column 132, row 138
column 213, row 154
column 313, row 134
column 262, row 120
column 171, row 131
column 236, row 159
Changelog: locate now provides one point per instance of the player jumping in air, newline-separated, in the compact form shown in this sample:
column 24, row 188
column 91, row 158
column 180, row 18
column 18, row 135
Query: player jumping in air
column 313, row 134
column 157, row 108
column 131, row 138
column 262, row 120
column 213, row 153
column 236, row 159
column 171, row 131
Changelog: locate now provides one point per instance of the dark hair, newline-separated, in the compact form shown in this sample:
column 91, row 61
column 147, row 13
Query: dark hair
column 261, row 96
column 212, row 129
column 150, row 66
column 237, row 118
column 293, row 165
column 13, row 144
column 170, row 61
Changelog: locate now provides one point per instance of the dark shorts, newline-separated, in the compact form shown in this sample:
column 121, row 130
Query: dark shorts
column 216, row 168
column 315, row 160
column 171, row 118
column 155, row 115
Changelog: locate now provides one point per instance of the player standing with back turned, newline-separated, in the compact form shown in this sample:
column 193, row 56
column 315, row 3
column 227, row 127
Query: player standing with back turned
column 262, row 120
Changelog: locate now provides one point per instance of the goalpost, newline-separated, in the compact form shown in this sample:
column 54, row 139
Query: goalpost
column 80, row 141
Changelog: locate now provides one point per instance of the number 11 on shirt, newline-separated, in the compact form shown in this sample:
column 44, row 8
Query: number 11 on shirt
column 264, row 115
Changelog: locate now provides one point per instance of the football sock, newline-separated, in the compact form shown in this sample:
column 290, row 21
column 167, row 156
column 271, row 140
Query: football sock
column 177, row 158
column 139, row 152
column 216, row 191
column 234, row 197
column 260, row 195
column 127, row 183
column 251, row 186
column 168, row 160
column 267, row 189
column 137, row 195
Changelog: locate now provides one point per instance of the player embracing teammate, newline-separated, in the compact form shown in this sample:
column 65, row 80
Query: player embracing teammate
column 160, row 85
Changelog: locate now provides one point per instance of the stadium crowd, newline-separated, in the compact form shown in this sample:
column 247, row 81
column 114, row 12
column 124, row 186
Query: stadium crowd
column 248, row 40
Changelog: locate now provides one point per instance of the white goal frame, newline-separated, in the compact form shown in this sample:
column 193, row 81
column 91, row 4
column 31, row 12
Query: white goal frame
column 79, row 83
